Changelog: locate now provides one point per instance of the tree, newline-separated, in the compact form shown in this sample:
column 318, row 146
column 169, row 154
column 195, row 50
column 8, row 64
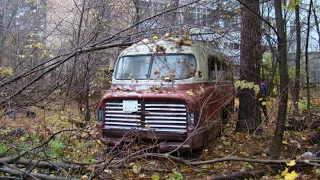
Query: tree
column 295, row 92
column 276, row 146
column 250, row 59
column 308, row 117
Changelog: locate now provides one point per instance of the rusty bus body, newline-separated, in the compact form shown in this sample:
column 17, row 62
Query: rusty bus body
column 169, row 91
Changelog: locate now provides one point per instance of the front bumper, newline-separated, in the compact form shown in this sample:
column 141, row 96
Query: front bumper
column 166, row 141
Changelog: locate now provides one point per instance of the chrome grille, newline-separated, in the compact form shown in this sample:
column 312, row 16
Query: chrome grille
column 166, row 117
column 116, row 118
column 157, row 116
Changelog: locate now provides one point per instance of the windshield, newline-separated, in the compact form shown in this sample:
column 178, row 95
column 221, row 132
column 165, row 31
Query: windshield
column 174, row 66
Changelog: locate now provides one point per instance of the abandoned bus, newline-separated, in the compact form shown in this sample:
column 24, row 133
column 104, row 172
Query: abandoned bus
column 170, row 91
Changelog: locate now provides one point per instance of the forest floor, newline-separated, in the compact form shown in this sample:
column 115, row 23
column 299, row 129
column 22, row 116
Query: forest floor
column 82, row 146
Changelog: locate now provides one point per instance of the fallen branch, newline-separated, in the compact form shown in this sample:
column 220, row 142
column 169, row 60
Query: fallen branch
column 267, row 161
column 37, row 175
column 242, row 175
column 41, row 164
column 311, row 162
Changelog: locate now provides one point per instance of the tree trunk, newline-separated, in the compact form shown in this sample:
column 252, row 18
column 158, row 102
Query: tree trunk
column 316, row 24
column 295, row 92
column 87, row 88
column 1, row 34
column 138, row 16
column 249, row 117
column 174, row 13
column 273, row 65
column 308, row 117
column 276, row 146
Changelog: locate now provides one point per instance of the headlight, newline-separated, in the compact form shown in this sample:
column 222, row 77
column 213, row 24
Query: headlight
column 101, row 115
column 191, row 119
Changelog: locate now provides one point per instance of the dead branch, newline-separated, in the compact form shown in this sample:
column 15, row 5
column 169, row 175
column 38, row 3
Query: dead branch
column 10, row 177
column 37, row 175
column 242, row 175
column 39, row 164
column 268, row 161
column 311, row 162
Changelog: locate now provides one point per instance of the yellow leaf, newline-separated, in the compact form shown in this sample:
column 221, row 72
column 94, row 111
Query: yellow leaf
column 136, row 169
column 31, row 1
column 238, row 11
column 264, row 103
column 293, row 4
column 190, row 92
column 155, row 176
column 156, row 71
column 38, row 45
column 285, row 172
column 155, row 38
column 284, row 142
column 291, row 163
column 148, row 126
column 168, row 5
column 188, row 43
column 291, row 176
column 84, row 177
column 9, row 71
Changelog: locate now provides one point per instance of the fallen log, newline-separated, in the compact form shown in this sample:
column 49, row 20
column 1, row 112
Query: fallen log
column 34, row 175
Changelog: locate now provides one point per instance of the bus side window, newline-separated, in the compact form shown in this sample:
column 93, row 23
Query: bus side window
column 219, row 69
column 211, row 66
column 228, row 73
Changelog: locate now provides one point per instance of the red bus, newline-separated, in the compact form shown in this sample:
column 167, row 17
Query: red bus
column 169, row 90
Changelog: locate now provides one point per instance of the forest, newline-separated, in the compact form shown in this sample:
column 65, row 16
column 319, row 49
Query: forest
column 236, row 83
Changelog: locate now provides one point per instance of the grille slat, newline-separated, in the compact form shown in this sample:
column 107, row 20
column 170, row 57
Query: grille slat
column 117, row 119
column 117, row 112
column 167, row 109
column 121, row 127
column 167, row 114
column 164, row 122
column 166, row 105
column 165, row 126
column 166, row 118
column 154, row 116
column 123, row 123
column 122, row 115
